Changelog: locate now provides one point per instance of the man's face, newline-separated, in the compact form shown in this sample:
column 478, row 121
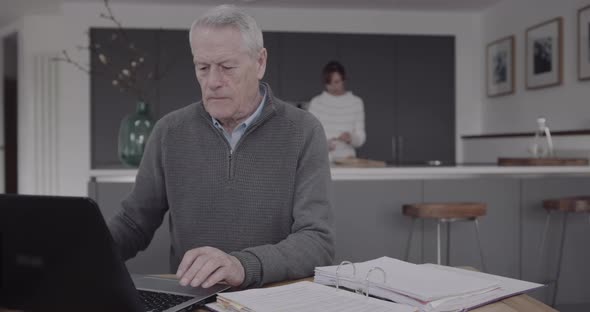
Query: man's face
column 228, row 75
column 336, row 84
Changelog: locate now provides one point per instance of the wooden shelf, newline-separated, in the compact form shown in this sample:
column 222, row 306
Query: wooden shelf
column 526, row 134
column 526, row 161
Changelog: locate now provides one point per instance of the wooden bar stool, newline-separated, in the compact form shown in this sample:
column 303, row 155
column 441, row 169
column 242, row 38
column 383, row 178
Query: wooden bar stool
column 567, row 205
column 445, row 213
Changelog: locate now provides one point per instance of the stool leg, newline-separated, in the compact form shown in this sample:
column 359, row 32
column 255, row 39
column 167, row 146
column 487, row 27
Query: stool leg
column 543, row 240
column 409, row 244
column 438, row 242
column 561, row 247
column 448, row 243
column 483, row 264
column 422, row 242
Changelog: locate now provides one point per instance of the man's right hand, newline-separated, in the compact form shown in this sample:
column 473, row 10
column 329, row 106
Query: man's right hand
column 207, row 266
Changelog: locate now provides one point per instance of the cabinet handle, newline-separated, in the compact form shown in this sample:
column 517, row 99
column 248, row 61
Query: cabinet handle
column 393, row 148
column 400, row 148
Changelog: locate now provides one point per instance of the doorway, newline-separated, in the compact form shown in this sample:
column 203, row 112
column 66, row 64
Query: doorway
column 9, row 139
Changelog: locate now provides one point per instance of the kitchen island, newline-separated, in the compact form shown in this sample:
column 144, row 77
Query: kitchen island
column 368, row 221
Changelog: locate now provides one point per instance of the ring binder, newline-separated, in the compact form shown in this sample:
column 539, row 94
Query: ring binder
column 424, row 287
column 359, row 290
column 368, row 281
column 338, row 269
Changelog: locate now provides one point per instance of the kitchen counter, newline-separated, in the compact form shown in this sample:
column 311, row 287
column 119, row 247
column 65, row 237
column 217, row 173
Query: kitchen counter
column 452, row 172
column 400, row 172
column 368, row 220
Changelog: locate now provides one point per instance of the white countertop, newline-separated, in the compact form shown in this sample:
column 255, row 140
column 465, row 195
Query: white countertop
column 398, row 173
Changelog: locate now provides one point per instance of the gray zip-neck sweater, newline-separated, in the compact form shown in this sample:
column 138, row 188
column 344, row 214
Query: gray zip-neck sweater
column 266, row 203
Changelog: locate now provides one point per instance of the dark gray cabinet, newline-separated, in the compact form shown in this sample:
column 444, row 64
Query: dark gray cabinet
column 424, row 99
column 108, row 104
column 179, row 86
column 407, row 84
column 301, row 59
column 165, row 52
column 371, row 76
column 271, row 76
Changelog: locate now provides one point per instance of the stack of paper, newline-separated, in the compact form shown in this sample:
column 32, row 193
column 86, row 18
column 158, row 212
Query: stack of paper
column 508, row 287
column 427, row 287
column 302, row 296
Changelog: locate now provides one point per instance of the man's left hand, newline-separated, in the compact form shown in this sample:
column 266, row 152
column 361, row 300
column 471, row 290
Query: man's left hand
column 207, row 266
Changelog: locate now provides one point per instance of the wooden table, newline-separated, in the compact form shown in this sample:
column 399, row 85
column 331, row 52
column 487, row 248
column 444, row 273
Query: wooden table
column 520, row 303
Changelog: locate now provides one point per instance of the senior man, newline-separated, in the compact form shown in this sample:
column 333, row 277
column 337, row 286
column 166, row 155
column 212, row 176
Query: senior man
column 244, row 175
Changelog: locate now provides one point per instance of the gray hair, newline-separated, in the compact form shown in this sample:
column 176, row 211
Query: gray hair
column 232, row 16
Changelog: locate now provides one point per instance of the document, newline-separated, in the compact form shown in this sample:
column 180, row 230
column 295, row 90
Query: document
column 428, row 287
column 303, row 296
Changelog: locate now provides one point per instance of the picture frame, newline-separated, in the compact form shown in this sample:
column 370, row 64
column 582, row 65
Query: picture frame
column 544, row 54
column 584, row 43
column 500, row 67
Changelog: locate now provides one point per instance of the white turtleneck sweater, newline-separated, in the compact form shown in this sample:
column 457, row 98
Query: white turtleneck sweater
column 339, row 114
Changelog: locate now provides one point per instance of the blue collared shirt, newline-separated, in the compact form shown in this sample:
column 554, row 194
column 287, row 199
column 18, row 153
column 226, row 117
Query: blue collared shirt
column 234, row 137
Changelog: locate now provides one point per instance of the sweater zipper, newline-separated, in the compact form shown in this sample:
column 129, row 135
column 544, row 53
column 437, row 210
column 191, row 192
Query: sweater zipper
column 230, row 174
column 230, row 163
column 230, row 166
column 253, row 127
column 230, row 158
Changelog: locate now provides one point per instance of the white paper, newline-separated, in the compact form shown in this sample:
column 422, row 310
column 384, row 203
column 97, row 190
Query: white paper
column 214, row 306
column 449, row 277
column 419, row 282
column 508, row 287
column 308, row 296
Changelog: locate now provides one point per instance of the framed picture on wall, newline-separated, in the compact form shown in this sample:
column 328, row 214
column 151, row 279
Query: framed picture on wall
column 500, row 67
column 544, row 54
column 584, row 43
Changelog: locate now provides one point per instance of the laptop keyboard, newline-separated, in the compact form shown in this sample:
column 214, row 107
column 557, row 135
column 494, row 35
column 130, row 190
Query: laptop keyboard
column 157, row 301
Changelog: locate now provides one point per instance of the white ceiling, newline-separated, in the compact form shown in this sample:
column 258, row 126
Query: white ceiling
column 450, row 5
column 11, row 10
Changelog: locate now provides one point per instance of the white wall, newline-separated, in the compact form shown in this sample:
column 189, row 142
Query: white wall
column 67, row 31
column 38, row 34
column 567, row 106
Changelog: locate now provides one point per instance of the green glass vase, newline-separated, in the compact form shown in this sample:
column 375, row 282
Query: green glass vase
column 133, row 135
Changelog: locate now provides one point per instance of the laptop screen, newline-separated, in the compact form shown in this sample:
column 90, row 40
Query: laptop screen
column 57, row 255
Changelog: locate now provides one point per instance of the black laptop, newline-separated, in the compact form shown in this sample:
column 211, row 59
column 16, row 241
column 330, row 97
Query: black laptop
column 58, row 255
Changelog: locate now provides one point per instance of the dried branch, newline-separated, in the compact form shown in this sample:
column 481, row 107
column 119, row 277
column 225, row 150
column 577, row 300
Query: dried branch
column 126, row 84
column 111, row 17
column 66, row 58
column 130, row 76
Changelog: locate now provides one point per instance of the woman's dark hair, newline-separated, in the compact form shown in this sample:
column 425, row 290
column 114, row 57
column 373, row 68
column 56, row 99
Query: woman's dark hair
column 330, row 68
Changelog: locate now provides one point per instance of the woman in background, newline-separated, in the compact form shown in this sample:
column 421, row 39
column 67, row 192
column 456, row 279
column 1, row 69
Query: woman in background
column 341, row 113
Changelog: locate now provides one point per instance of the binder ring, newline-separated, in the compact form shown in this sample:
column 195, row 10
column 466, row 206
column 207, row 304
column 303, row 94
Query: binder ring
column 338, row 269
column 368, row 282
